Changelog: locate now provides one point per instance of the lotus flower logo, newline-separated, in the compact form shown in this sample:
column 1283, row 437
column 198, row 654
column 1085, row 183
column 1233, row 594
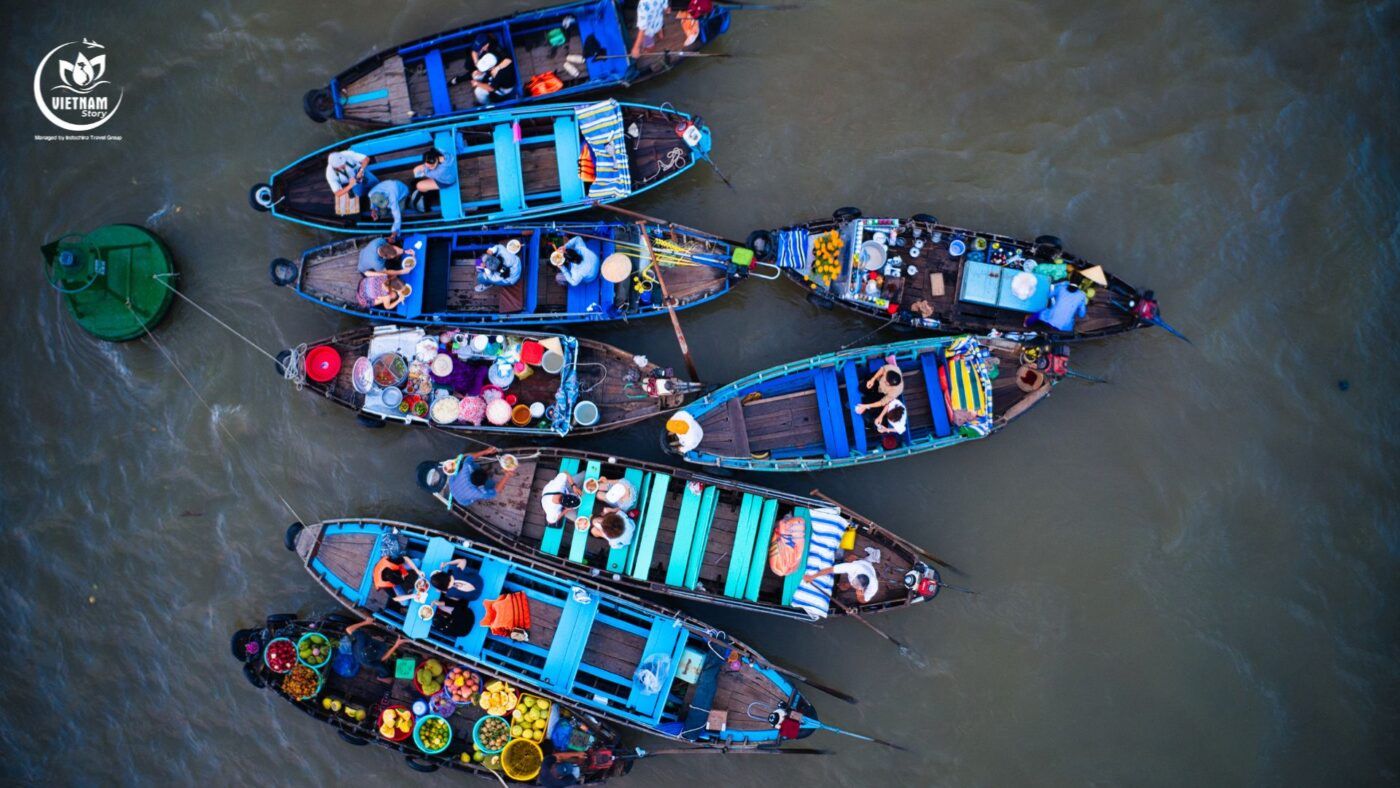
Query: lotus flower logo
column 83, row 74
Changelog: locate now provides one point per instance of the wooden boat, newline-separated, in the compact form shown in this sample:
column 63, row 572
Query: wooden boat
column 697, row 268
column 597, row 387
column 948, row 279
column 512, row 165
column 696, row 537
column 593, row 38
column 365, row 691
column 619, row 658
column 801, row 416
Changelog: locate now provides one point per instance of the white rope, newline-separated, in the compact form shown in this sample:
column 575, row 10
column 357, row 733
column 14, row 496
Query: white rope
column 161, row 279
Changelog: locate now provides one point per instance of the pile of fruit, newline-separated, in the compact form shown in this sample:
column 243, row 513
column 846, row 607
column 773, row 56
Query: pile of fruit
column 280, row 656
column 522, row 761
column 434, row 734
column 396, row 723
column 826, row 255
column 302, row 682
column 428, row 677
column 462, row 684
column 314, row 649
column 530, row 719
column 351, row 711
column 489, row 760
column 498, row 699
column 492, row 734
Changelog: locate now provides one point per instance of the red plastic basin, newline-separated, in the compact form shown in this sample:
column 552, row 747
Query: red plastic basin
column 322, row 363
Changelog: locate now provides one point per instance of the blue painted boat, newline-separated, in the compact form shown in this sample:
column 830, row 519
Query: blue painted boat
column 697, row 267
column 585, row 45
column 512, row 165
column 613, row 655
column 802, row 416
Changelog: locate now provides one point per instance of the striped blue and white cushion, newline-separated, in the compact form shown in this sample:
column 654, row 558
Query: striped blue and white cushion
column 601, row 126
column 792, row 248
column 814, row 597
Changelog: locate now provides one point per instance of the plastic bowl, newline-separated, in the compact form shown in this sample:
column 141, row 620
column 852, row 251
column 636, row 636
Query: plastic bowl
column 522, row 760
column 418, row 726
column 268, row 647
column 398, row 735
column 322, row 363
column 329, row 650
column 585, row 413
column 476, row 733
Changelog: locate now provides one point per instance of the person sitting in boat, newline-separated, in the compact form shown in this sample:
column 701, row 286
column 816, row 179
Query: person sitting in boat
column 620, row 494
column 389, row 196
column 347, row 172
column 383, row 292
column 856, row 573
column 615, row 526
column 493, row 78
column 396, row 576
column 456, row 581
column 499, row 267
column 1067, row 304
column 369, row 650
column 893, row 419
column 577, row 264
column 651, row 17
column 437, row 171
column 468, row 482
column 560, row 497
column 890, row 382
column 382, row 257
column 684, row 432
column 454, row 620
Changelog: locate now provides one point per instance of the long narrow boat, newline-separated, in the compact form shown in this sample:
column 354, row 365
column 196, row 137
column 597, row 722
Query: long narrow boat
column 585, row 45
column 551, row 385
column 801, row 416
column 697, row 268
column 922, row 273
column 617, row 657
column 696, row 537
column 341, row 698
column 512, row 165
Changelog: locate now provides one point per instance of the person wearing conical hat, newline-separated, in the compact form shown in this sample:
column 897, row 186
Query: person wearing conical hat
column 684, row 432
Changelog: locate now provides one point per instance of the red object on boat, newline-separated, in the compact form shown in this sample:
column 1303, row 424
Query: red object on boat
column 531, row 352
column 322, row 363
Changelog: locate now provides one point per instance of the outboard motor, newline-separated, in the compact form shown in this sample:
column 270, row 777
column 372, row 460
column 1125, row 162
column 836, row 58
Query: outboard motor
column 922, row 581
column 1145, row 306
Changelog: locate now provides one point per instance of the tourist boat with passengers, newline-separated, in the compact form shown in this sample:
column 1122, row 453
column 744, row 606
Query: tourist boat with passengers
column 919, row 272
column 802, row 416
column 696, row 537
column 512, row 165
column 519, row 383
column 566, row 638
column 559, row 52
column 697, row 268
column 349, row 687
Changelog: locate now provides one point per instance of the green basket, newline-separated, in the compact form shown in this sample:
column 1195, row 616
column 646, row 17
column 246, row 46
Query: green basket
column 418, row 726
column 330, row 649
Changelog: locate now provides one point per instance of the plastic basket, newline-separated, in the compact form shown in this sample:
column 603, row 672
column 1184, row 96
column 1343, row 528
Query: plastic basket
column 515, row 757
column 329, row 650
column 476, row 733
column 418, row 726
column 289, row 642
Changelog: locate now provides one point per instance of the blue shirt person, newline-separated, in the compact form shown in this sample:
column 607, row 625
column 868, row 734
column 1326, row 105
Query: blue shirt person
column 578, row 268
column 438, row 170
column 499, row 267
column 1067, row 304
column 390, row 196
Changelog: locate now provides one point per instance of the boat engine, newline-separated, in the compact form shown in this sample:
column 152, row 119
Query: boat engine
column 922, row 581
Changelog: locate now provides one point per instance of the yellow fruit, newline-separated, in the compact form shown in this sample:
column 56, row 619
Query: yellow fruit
column 539, row 725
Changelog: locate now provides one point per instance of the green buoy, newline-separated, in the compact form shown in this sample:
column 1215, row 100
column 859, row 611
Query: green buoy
column 114, row 279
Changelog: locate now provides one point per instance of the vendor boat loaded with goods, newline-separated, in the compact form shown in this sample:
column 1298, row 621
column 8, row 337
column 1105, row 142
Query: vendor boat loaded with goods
column 918, row 272
column 436, row 713
column 568, row 639
column 560, row 51
column 866, row 404
column 683, row 534
column 561, row 272
column 493, row 167
column 525, row 383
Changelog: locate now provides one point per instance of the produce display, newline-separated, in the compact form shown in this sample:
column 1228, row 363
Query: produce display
column 428, row 676
column 498, row 699
column 280, row 655
column 826, row 255
column 492, row 734
column 350, row 710
column 302, row 682
column 462, row 684
column 522, row 760
column 396, row 723
column 314, row 649
column 433, row 734
column 530, row 719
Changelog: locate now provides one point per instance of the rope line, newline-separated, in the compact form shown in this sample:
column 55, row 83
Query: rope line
column 161, row 278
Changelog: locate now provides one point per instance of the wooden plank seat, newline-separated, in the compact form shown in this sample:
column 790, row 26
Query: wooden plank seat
column 554, row 534
column 650, row 525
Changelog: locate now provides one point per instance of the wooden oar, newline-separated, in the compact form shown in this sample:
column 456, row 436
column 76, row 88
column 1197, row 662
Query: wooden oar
column 716, row 751
column 794, row 675
column 665, row 53
column 916, row 548
column 903, row 649
column 659, row 222
column 670, row 306
column 735, row 5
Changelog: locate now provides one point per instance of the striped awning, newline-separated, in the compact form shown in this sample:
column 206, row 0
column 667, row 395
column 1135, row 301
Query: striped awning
column 601, row 126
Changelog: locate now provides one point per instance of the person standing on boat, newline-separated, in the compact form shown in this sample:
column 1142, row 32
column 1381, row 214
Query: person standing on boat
column 389, row 196
column 499, row 267
column 347, row 172
column 651, row 17
column 437, row 171
column 577, row 264
column 1067, row 304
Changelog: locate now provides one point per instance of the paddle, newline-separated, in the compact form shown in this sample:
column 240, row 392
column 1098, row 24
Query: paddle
column 1080, row 375
column 718, row 751
column 916, row 548
column 666, row 53
column 735, row 5
column 823, row 726
column 904, row 650
column 670, row 305
column 1155, row 320
column 794, row 675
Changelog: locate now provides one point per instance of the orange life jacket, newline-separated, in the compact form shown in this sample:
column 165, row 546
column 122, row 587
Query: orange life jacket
column 541, row 84
column 511, row 611
column 387, row 563
column 587, row 168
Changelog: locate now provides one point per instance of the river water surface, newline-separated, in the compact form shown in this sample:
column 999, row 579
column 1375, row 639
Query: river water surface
column 1185, row 576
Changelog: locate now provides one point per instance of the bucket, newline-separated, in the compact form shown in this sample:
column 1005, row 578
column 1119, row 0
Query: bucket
column 520, row 416
column 322, row 363
column 552, row 362
column 585, row 413
column 522, row 760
